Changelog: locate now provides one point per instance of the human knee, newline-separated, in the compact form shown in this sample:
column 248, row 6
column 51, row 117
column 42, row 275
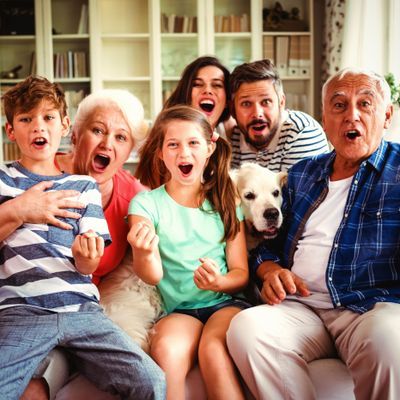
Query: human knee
column 377, row 337
column 167, row 352
column 242, row 332
column 211, row 349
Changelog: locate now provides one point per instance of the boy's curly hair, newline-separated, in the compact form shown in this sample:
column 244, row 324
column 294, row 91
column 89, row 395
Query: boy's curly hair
column 26, row 95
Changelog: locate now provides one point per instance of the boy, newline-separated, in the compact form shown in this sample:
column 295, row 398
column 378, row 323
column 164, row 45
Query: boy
column 47, row 298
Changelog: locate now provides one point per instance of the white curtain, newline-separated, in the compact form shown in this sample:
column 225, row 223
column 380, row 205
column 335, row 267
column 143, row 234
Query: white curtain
column 371, row 36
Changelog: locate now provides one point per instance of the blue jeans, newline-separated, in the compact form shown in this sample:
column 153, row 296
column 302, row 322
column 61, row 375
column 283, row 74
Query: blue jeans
column 101, row 351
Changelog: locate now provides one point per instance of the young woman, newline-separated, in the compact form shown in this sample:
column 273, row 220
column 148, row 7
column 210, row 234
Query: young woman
column 204, row 85
column 187, row 237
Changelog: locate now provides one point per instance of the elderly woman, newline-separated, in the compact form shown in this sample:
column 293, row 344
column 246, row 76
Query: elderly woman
column 108, row 124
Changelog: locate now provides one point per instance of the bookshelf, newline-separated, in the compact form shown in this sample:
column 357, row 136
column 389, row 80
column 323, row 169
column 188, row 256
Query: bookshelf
column 143, row 45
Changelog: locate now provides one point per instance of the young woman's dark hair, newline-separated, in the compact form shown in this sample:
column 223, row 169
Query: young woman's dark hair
column 183, row 92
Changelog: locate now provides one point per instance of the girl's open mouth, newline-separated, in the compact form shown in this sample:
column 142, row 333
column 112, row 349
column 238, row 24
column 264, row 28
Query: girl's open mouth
column 186, row 168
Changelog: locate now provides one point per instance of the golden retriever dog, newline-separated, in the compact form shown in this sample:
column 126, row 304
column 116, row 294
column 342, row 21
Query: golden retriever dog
column 129, row 302
column 260, row 192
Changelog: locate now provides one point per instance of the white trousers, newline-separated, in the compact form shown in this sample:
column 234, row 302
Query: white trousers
column 272, row 345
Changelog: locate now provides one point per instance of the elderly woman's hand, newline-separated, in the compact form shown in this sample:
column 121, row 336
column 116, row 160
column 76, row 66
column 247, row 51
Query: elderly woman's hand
column 37, row 206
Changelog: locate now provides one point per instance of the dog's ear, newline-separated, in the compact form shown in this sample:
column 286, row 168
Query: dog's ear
column 282, row 178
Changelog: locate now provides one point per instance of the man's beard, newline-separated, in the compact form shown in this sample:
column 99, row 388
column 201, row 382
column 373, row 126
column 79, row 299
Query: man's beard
column 262, row 142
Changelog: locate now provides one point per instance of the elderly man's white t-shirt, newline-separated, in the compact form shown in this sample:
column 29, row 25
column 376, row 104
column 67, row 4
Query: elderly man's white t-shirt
column 314, row 247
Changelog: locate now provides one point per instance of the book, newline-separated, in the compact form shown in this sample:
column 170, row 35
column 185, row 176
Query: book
column 269, row 48
column 83, row 20
column 32, row 67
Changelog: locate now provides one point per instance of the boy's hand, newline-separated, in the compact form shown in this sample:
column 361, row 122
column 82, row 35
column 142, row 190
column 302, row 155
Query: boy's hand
column 87, row 250
column 36, row 206
column 143, row 238
column 207, row 275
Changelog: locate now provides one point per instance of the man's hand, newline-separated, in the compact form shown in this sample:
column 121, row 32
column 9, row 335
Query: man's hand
column 278, row 282
column 87, row 250
column 207, row 275
column 37, row 206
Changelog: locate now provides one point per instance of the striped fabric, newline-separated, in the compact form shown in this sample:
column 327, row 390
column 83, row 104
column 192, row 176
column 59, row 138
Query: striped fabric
column 36, row 264
column 364, row 264
column 301, row 136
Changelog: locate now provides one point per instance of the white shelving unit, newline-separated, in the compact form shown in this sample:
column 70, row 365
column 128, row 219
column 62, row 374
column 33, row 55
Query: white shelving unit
column 126, row 45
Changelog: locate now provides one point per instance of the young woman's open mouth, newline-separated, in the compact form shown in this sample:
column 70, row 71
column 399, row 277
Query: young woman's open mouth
column 185, row 168
column 100, row 162
column 207, row 106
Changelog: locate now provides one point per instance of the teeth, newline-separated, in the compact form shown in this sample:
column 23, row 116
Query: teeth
column 207, row 102
column 40, row 140
column 352, row 134
column 259, row 127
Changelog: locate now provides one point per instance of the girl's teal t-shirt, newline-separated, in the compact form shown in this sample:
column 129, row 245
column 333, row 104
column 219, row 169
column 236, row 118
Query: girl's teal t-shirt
column 186, row 234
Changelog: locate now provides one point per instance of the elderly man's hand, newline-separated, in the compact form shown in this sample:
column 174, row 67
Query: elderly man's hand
column 278, row 282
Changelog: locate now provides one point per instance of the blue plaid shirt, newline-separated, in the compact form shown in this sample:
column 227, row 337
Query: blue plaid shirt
column 364, row 263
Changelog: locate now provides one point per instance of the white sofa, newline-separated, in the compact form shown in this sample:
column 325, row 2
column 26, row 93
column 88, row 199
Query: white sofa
column 330, row 377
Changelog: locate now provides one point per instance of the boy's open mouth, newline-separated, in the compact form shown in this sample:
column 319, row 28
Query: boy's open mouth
column 40, row 141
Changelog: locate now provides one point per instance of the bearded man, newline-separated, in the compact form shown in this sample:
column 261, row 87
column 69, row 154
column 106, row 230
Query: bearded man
column 267, row 133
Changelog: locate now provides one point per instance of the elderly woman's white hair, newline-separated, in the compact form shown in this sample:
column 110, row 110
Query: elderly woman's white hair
column 129, row 105
column 380, row 81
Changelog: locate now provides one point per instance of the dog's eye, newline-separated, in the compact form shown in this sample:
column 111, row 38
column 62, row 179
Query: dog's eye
column 275, row 193
column 249, row 196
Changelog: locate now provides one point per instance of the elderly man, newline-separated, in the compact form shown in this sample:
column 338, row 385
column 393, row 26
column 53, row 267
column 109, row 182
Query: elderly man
column 335, row 286
column 266, row 132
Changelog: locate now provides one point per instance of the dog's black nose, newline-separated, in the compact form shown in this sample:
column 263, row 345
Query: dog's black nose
column 271, row 214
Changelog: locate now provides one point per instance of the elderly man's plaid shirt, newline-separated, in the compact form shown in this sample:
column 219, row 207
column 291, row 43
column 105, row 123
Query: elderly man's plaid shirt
column 364, row 264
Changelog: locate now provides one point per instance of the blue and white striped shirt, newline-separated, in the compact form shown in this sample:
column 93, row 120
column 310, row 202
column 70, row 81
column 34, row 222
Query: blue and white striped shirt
column 364, row 263
column 300, row 136
column 36, row 263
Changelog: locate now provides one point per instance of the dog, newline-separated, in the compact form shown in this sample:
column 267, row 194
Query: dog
column 129, row 302
column 260, row 193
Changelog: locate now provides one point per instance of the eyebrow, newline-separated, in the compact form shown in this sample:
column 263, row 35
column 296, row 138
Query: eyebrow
column 367, row 92
column 213, row 79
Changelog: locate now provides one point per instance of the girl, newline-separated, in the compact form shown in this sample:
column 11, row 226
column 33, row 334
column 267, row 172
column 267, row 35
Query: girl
column 186, row 238
column 204, row 85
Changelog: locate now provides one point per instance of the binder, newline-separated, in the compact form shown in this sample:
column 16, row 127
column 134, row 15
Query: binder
column 305, row 54
column 294, row 56
column 282, row 54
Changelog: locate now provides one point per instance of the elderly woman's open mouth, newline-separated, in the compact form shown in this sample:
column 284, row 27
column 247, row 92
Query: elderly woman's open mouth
column 101, row 162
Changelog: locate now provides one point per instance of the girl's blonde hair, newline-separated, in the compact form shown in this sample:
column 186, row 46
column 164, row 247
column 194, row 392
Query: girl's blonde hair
column 217, row 185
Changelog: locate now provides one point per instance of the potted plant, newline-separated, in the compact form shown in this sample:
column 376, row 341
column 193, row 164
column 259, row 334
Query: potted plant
column 394, row 89
column 393, row 132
